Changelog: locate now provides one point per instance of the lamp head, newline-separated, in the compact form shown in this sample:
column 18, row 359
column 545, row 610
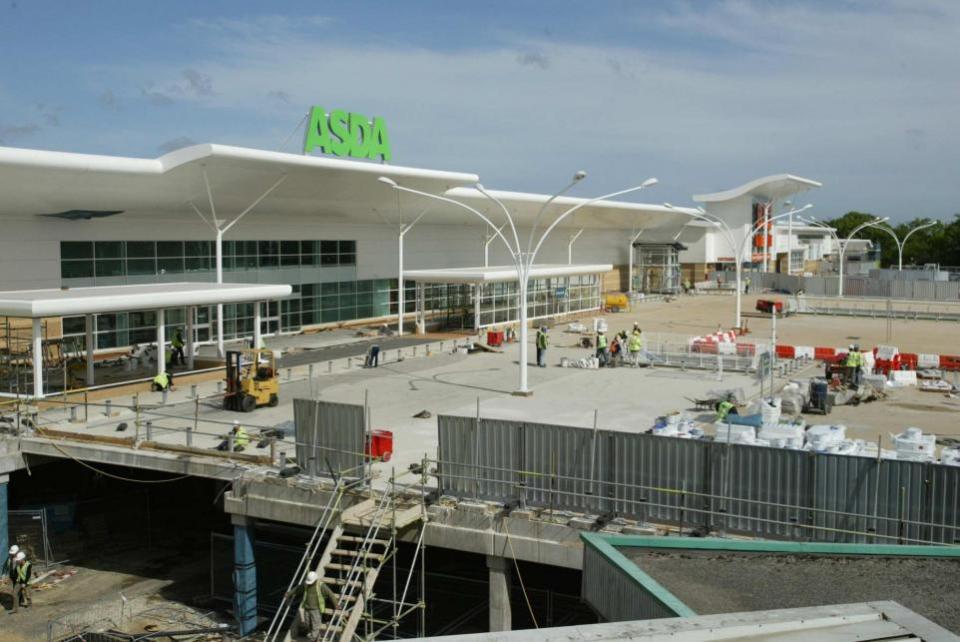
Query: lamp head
column 701, row 210
column 579, row 176
column 387, row 181
column 649, row 182
column 479, row 186
column 669, row 206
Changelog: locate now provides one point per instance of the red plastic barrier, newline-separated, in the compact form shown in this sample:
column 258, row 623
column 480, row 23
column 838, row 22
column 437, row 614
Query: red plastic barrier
column 746, row 349
column 495, row 338
column 704, row 347
column 786, row 352
column 884, row 366
column 908, row 361
column 949, row 362
column 824, row 354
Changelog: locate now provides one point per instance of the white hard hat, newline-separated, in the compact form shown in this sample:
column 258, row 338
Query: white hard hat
column 311, row 577
column 236, row 423
column 21, row 556
column 14, row 549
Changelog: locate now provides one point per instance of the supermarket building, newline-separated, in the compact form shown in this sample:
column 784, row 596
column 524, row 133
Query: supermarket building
column 323, row 225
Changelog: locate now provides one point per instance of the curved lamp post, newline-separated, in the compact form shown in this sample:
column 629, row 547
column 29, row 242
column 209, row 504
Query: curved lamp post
column 738, row 248
column 901, row 243
column 846, row 242
column 523, row 261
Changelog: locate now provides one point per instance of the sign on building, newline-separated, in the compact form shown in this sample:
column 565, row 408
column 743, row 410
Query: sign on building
column 347, row 134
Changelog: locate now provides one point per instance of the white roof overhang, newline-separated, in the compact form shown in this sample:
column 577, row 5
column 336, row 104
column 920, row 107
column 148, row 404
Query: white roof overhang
column 40, row 182
column 501, row 273
column 35, row 182
column 768, row 188
column 36, row 304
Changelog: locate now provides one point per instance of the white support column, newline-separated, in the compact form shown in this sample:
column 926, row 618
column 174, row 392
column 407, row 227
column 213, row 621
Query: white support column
column 37, row 359
column 401, row 303
column 191, row 346
column 630, row 262
column 477, row 291
column 161, row 341
column 256, row 325
column 499, row 579
column 219, row 251
column 90, row 347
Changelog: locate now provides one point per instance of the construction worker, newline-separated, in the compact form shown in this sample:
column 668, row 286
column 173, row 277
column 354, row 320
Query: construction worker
column 726, row 407
column 177, row 344
column 313, row 604
column 542, row 342
column 21, row 581
column 241, row 439
column 687, row 286
column 602, row 348
column 163, row 381
column 854, row 360
column 635, row 345
column 9, row 571
column 746, row 285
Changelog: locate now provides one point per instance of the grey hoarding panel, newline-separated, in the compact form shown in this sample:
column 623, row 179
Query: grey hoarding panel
column 330, row 437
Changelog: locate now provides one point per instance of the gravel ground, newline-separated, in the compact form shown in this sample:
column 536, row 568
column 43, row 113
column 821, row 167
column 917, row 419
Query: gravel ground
column 731, row 582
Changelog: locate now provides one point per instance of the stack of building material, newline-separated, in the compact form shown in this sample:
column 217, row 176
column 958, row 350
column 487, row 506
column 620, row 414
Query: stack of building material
column 782, row 435
column 950, row 456
column 913, row 445
column 825, row 437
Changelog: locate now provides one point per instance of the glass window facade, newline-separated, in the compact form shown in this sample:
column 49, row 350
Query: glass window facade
column 102, row 259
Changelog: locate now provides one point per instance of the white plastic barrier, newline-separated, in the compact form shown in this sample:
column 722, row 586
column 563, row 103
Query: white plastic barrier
column 803, row 351
column 904, row 377
column 928, row 360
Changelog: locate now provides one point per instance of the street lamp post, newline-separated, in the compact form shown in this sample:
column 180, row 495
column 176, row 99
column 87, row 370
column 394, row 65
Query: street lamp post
column 523, row 261
column 842, row 245
column 738, row 248
column 902, row 243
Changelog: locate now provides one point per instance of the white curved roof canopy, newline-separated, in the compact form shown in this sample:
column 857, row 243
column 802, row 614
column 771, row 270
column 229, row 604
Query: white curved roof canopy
column 35, row 182
column 768, row 188
column 37, row 304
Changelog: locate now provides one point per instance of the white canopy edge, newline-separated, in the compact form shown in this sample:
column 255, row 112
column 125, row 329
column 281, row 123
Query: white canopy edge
column 768, row 188
column 35, row 304
column 199, row 153
column 500, row 273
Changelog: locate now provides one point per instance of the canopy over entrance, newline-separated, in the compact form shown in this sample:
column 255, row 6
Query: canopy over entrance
column 39, row 304
column 482, row 297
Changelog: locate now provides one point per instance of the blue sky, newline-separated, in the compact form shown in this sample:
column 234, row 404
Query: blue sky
column 861, row 95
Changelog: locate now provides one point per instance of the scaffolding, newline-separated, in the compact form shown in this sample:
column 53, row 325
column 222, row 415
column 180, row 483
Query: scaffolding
column 657, row 267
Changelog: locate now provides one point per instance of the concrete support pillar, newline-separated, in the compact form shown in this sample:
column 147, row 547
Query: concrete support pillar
column 4, row 520
column 161, row 343
column 191, row 345
column 244, row 575
column 37, row 359
column 90, row 347
column 257, row 338
column 477, row 291
column 500, row 616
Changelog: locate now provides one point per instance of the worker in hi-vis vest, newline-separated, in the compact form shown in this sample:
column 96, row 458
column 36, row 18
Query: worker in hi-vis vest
column 542, row 342
column 602, row 348
column 313, row 596
column 21, row 581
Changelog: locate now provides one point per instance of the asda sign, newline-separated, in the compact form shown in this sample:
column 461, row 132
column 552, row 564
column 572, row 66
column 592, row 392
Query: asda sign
column 347, row 134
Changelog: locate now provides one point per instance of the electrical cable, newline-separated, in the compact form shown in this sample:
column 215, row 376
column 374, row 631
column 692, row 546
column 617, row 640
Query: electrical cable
column 118, row 477
column 519, row 577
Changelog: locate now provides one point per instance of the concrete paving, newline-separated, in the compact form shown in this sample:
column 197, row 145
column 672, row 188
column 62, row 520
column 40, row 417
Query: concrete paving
column 627, row 399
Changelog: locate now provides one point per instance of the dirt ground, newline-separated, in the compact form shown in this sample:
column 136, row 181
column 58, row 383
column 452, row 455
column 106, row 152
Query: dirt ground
column 700, row 314
column 94, row 592
column 729, row 583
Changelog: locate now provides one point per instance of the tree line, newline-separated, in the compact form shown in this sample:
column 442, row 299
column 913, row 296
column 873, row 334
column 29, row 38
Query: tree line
column 939, row 243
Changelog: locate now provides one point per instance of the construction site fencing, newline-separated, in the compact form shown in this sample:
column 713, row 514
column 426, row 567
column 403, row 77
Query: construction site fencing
column 330, row 437
column 28, row 530
column 859, row 285
column 700, row 484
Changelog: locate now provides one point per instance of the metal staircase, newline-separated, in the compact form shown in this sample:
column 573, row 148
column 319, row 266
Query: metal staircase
column 351, row 563
column 307, row 562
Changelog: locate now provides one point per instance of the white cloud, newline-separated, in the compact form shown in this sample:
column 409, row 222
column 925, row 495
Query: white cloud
column 859, row 95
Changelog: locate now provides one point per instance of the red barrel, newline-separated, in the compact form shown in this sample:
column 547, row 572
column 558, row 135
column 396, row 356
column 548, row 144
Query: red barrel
column 380, row 444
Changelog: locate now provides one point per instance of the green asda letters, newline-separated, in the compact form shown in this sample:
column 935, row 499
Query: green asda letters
column 347, row 134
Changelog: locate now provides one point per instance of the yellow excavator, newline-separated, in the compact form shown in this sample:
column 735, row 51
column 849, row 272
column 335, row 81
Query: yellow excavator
column 252, row 380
